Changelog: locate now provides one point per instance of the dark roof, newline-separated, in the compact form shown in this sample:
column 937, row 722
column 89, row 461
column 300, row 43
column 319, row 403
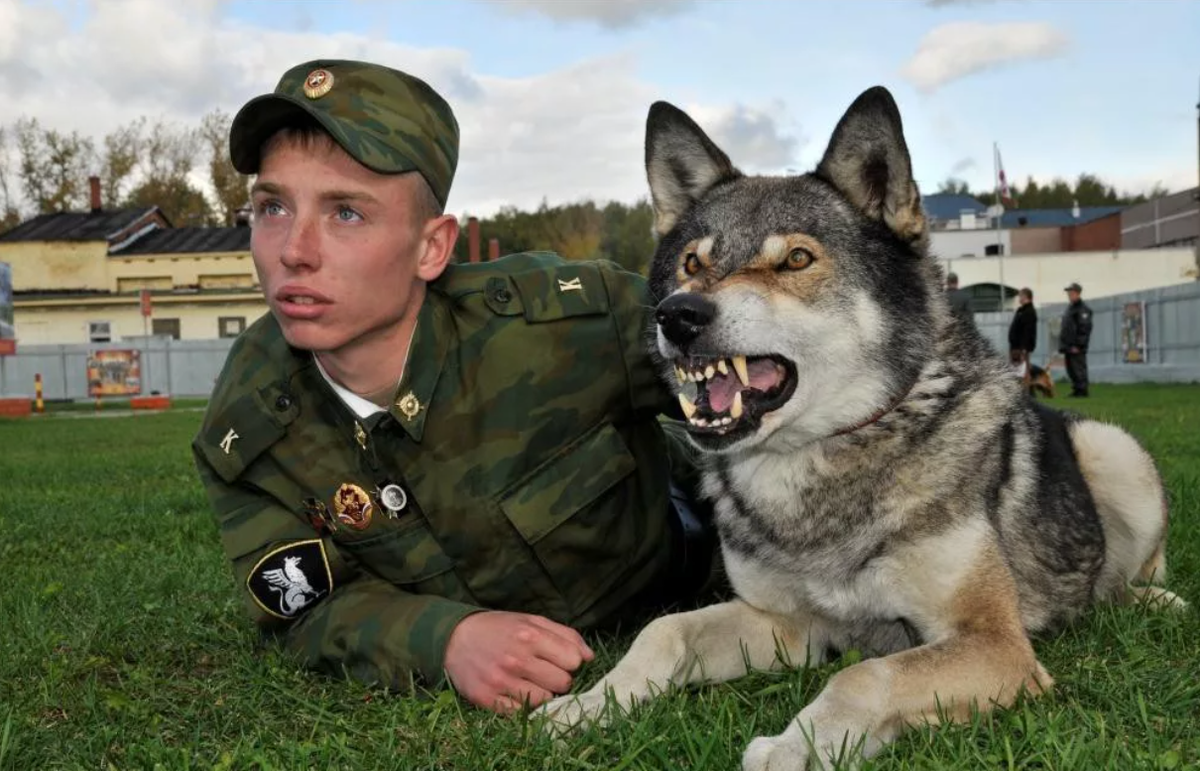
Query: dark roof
column 949, row 206
column 1055, row 218
column 188, row 241
column 75, row 226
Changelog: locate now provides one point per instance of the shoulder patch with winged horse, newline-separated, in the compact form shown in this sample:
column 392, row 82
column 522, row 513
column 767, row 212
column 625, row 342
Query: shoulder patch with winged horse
column 291, row 578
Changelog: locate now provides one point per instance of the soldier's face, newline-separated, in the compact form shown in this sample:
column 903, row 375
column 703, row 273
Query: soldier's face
column 341, row 251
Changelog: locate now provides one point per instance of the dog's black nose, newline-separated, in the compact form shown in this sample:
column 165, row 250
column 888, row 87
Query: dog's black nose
column 684, row 316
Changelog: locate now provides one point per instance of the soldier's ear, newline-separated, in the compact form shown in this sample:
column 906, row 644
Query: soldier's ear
column 436, row 245
column 682, row 164
column 867, row 160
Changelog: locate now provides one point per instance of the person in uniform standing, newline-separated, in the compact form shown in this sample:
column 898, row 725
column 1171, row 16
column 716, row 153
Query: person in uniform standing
column 1074, row 338
column 424, row 471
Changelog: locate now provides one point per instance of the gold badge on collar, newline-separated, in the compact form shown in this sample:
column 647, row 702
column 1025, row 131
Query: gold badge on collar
column 353, row 506
column 409, row 405
column 318, row 83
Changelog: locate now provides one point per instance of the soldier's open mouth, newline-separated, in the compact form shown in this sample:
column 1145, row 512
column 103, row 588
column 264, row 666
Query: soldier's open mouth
column 729, row 395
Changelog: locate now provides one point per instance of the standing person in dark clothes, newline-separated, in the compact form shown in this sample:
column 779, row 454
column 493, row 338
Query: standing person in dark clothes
column 1022, row 333
column 1073, row 341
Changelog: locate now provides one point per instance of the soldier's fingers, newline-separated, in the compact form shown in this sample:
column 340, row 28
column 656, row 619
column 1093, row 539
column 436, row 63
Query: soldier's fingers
column 545, row 674
column 526, row 691
column 565, row 632
column 505, row 705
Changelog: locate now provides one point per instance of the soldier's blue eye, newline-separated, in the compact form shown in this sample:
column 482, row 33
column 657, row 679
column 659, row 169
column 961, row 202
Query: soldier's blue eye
column 346, row 214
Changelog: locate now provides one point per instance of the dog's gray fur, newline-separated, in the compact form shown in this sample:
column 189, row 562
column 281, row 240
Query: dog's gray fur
column 887, row 485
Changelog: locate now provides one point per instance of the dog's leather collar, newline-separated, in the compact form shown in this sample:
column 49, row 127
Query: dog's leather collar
column 874, row 418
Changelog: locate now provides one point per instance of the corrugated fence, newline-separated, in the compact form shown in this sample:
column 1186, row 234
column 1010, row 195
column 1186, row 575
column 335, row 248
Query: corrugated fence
column 1170, row 323
column 1170, row 329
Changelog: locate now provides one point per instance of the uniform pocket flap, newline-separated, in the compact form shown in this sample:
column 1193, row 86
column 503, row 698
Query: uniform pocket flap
column 232, row 440
column 559, row 488
column 571, row 290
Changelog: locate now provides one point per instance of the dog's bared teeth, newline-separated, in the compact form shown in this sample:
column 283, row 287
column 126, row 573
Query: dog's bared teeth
column 689, row 409
column 735, row 411
column 680, row 375
column 709, row 371
column 722, row 367
column 739, row 366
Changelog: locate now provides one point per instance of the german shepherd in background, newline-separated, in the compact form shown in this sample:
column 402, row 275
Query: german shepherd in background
column 880, row 479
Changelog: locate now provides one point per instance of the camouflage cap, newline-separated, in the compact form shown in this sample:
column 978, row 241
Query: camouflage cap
column 387, row 120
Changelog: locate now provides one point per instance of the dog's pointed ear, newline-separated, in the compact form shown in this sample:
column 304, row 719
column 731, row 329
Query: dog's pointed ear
column 682, row 164
column 867, row 159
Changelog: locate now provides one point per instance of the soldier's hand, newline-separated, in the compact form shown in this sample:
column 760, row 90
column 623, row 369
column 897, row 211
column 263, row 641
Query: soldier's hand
column 497, row 659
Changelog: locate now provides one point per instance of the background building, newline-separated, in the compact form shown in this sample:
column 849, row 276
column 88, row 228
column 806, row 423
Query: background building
column 78, row 277
column 1170, row 221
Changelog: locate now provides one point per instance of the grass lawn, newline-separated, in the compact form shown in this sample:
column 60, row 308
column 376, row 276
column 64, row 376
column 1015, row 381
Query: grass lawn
column 123, row 644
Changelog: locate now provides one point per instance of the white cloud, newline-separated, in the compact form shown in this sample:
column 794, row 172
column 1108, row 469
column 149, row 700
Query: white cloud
column 752, row 138
column 559, row 136
column 613, row 14
column 955, row 50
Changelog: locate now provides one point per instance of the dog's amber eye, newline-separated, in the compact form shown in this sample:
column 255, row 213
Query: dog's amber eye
column 691, row 263
column 799, row 259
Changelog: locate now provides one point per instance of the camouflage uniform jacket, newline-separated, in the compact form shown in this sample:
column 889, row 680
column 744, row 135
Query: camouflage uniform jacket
column 524, row 433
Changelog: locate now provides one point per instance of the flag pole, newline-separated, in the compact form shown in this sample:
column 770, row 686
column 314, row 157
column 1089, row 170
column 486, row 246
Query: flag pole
column 999, row 215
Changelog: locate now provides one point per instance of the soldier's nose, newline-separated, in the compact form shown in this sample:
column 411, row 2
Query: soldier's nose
column 683, row 316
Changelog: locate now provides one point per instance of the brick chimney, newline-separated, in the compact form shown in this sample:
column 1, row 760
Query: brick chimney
column 94, row 184
column 493, row 249
column 473, row 240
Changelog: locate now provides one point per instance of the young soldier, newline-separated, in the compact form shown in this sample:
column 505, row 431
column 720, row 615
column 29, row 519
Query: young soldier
column 420, row 468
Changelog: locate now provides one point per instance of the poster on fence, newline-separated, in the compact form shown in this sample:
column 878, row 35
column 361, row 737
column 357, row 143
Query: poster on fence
column 114, row 373
column 8, row 332
column 1133, row 333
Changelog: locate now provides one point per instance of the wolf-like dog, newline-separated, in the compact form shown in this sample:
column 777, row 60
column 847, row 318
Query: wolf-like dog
column 880, row 480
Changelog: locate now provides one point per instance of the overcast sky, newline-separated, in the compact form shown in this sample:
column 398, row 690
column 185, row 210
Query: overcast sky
column 551, row 95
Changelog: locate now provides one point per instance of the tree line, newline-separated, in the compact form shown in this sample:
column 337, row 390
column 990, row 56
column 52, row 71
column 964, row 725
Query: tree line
column 1058, row 193
column 140, row 164
column 143, row 164
column 577, row 231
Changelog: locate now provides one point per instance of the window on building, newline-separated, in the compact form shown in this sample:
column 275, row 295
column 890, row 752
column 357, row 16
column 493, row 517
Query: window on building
column 231, row 326
column 99, row 331
column 165, row 328
column 992, row 250
column 232, row 281
column 134, row 283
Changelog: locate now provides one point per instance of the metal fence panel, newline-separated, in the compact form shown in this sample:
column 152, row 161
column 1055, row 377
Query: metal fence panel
column 175, row 367
column 191, row 367
column 1172, row 324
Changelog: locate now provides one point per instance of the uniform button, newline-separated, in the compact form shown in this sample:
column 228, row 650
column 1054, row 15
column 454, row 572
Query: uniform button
column 283, row 402
column 503, row 295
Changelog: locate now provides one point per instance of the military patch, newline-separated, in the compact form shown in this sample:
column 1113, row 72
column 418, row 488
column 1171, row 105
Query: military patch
column 353, row 506
column 409, row 405
column 318, row 83
column 291, row 578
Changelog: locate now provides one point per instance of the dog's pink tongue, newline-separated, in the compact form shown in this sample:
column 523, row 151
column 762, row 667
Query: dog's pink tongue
column 721, row 389
column 764, row 375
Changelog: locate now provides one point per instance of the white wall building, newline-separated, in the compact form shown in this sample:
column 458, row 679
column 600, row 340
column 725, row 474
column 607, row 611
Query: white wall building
column 1100, row 273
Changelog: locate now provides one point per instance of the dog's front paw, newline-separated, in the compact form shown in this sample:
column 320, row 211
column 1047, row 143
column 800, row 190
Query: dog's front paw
column 570, row 712
column 775, row 753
